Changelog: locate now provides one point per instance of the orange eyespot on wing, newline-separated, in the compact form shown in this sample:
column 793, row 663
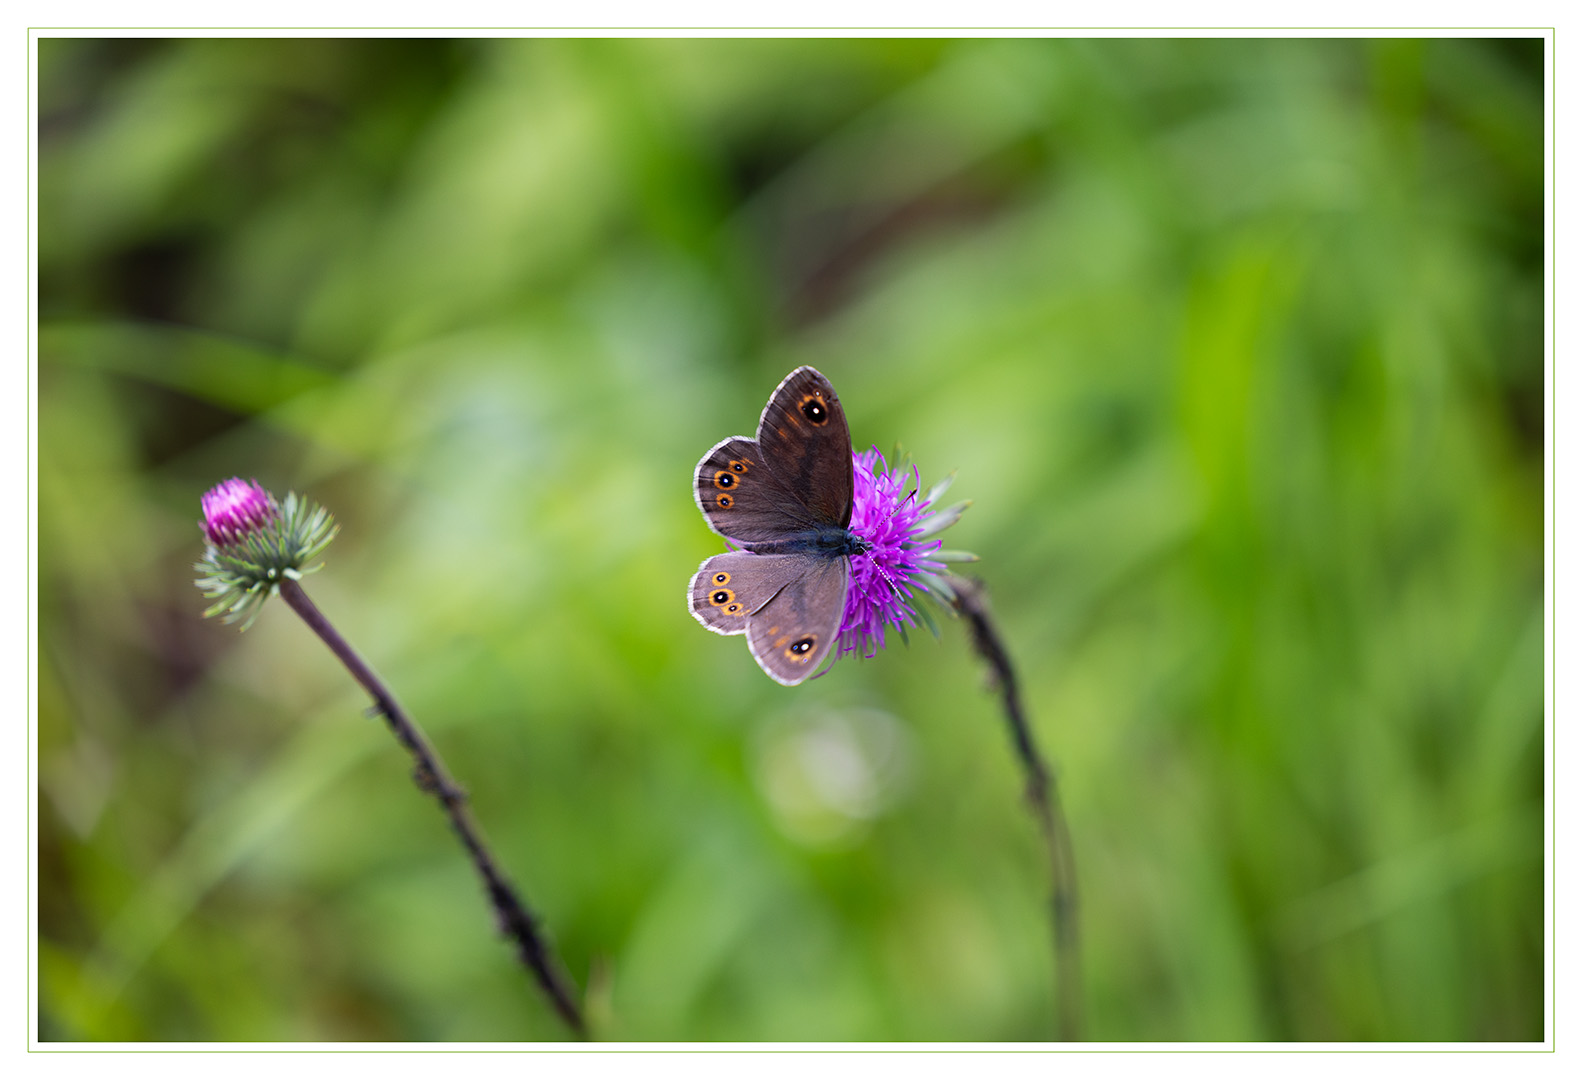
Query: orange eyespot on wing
column 813, row 408
column 800, row 651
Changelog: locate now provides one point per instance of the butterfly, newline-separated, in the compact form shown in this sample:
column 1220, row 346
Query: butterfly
column 785, row 499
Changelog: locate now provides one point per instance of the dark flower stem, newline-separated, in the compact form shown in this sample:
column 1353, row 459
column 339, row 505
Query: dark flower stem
column 431, row 777
column 1043, row 796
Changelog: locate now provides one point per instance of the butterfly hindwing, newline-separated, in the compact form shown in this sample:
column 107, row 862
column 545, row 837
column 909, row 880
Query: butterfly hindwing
column 728, row 588
column 792, row 634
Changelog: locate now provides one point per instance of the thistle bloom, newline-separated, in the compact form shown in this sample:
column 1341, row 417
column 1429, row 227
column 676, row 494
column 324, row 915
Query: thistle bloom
column 234, row 508
column 893, row 518
column 255, row 542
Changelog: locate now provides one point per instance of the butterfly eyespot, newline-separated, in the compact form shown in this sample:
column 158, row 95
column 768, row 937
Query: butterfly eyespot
column 801, row 647
column 722, row 578
column 733, row 609
column 724, row 502
column 721, row 597
column 723, row 479
column 739, row 467
column 813, row 408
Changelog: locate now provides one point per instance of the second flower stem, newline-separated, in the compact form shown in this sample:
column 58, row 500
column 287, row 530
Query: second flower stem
column 431, row 777
column 1043, row 795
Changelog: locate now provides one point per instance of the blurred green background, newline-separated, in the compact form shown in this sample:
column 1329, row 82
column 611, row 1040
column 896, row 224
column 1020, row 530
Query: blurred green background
column 1237, row 346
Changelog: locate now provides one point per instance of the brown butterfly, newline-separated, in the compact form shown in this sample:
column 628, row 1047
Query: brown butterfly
column 785, row 499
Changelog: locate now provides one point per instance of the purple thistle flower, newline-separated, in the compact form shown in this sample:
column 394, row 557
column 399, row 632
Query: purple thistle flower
column 235, row 507
column 891, row 515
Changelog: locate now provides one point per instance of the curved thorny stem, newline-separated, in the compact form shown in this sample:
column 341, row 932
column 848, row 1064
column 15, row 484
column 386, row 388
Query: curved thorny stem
column 430, row 774
column 1044, row 797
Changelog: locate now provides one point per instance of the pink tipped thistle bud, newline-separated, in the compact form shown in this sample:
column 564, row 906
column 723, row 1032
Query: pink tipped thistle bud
column 255, row 542
column 235, row 508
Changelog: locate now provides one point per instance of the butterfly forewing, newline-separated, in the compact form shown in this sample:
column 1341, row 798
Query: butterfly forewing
column 743, row 499
column 804, row 438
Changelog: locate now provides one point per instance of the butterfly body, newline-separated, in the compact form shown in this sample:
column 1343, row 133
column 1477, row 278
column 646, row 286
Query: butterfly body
column 785, row 499
column 829, row 541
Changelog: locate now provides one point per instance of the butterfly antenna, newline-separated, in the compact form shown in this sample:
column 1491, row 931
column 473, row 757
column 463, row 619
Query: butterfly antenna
column 888, row 580
column 917, row 485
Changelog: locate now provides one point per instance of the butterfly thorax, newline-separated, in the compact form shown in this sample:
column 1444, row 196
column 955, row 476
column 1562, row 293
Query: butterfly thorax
column 829, row 540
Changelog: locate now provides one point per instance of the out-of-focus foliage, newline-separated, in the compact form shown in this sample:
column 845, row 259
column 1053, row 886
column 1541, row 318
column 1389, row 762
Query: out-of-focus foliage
column 1237, row 346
